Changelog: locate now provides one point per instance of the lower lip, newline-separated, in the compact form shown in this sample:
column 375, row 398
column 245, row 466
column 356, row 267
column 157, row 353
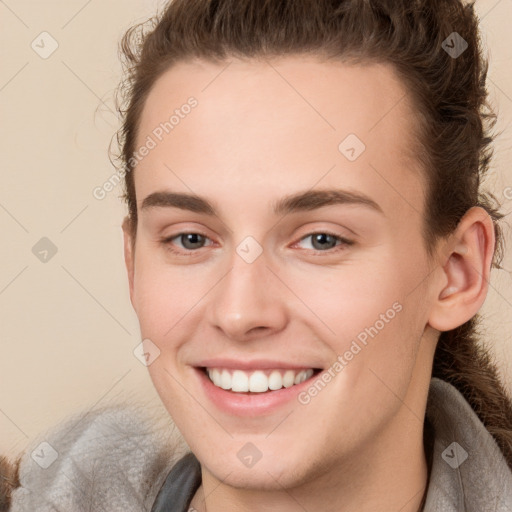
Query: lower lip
column 254, row 404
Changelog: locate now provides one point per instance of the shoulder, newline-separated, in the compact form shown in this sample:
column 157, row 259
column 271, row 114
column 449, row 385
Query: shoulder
column 110, row 458
column 469, row 471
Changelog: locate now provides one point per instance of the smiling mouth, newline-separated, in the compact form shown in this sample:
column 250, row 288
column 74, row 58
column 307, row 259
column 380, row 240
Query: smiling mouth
column 258, row 381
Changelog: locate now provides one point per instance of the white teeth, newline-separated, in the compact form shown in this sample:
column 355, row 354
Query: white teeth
column 225, row 380
column 215, row 376
column 257, row 381
column 275, row 381
column 288, row 378
column 300, row 377
column 239, row 381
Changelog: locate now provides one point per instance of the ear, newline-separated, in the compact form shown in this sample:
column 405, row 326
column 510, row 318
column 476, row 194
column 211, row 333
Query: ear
column 129, row 253
column 466, row 267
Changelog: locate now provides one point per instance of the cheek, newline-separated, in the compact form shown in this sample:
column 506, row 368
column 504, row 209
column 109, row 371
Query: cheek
column 162, row 296
column 353, row 296
column 369, row 312
column 164, row 293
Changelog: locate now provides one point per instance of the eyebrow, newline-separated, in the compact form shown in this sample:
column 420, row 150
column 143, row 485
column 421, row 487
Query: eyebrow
column 300, row 201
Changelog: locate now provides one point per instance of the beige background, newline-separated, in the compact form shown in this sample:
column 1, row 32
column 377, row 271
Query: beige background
column 68, row 329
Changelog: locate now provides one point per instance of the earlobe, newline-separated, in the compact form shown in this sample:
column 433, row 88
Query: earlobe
column 128, row 255
column 465, row 270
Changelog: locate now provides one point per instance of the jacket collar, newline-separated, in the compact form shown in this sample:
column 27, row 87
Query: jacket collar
column 469, row 472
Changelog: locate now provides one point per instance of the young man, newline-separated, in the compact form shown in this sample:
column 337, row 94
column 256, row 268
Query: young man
column 305, row 246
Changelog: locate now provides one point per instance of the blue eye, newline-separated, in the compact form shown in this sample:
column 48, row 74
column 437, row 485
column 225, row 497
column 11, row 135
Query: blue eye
column 322, row 242
column 192, row 240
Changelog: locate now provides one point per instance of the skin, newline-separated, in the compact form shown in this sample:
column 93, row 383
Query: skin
column 263, row 130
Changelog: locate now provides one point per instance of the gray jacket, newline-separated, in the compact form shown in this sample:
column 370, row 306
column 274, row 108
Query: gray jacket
column 128, row 458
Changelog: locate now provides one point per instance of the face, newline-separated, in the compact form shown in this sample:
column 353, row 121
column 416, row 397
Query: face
column 301, row 257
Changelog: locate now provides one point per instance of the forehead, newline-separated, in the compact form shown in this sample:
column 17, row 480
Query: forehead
column 294, row 118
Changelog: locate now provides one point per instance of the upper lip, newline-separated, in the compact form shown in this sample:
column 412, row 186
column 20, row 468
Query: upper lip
column 253, row 364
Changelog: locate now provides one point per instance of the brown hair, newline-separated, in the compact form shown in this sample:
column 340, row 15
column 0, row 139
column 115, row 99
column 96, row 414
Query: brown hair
column 9, row 480
column 449, row 95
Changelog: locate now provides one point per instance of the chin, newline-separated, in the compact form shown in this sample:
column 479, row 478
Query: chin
column 258, row 480
column 271, row 474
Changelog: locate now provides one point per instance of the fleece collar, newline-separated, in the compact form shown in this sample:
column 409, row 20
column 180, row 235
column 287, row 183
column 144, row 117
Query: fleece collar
column 469, row 472
column 119, row 458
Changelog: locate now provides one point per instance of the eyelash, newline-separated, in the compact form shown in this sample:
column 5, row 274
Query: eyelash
column 345, row 242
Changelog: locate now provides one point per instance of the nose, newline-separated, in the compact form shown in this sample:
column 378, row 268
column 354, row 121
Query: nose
column 249, row 301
